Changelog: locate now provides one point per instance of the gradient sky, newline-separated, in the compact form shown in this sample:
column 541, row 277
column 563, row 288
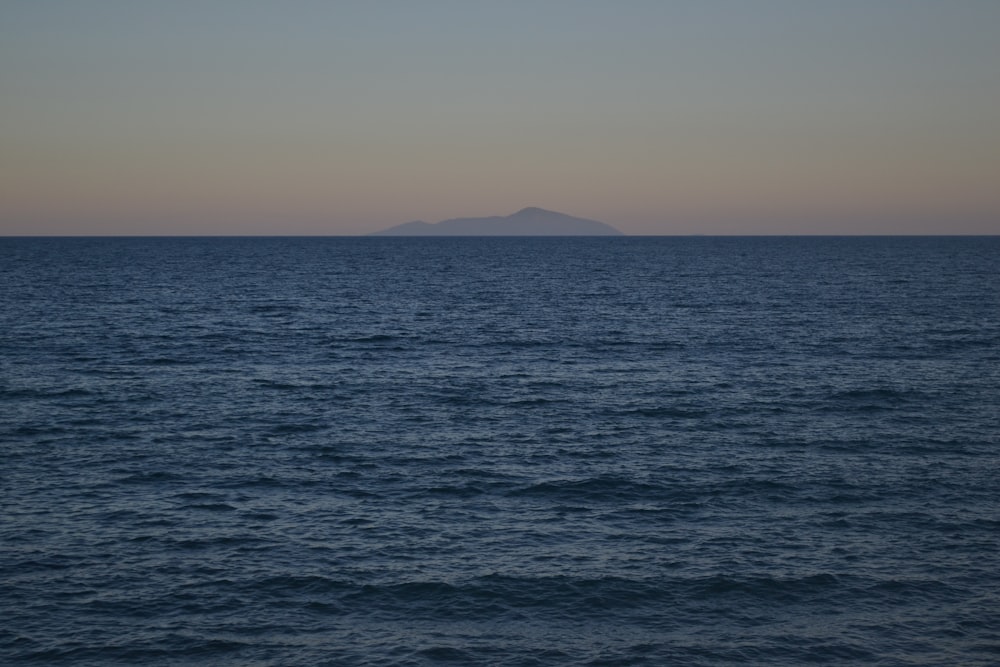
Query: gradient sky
column 342, row 117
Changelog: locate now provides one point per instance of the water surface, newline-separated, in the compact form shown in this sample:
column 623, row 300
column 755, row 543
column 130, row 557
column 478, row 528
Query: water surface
column 367, row 451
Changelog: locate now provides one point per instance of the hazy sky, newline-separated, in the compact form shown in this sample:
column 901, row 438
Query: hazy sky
column 340, row 117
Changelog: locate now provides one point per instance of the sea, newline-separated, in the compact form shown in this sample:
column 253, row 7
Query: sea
column 500, row 451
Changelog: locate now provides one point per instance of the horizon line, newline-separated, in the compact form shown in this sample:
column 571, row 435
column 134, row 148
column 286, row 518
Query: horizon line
column 487, row 236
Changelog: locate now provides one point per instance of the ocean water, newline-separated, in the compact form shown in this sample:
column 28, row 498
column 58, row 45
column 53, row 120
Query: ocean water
column 605, row 451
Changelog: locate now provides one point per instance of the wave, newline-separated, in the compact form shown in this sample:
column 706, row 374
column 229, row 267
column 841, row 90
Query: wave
column 73, row 392
column 605, row 488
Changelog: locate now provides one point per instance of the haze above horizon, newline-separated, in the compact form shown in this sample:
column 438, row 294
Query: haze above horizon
column 686, row 117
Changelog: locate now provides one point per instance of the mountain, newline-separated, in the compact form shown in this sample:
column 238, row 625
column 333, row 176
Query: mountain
column 529, row 221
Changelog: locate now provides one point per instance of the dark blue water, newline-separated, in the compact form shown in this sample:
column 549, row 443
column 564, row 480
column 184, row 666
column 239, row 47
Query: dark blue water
column 371, row 451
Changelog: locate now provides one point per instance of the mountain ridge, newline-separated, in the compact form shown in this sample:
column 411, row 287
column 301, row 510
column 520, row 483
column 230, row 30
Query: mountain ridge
column 529, row 221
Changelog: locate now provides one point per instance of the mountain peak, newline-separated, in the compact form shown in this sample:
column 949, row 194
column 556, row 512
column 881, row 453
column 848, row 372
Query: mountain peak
column 533, row 210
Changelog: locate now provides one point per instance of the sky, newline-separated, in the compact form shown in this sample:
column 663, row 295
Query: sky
column 346, row 117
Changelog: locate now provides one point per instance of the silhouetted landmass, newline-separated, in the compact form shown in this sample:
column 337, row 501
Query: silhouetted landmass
column 529, row 221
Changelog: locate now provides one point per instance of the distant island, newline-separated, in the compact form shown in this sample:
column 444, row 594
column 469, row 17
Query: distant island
column 529, row 221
